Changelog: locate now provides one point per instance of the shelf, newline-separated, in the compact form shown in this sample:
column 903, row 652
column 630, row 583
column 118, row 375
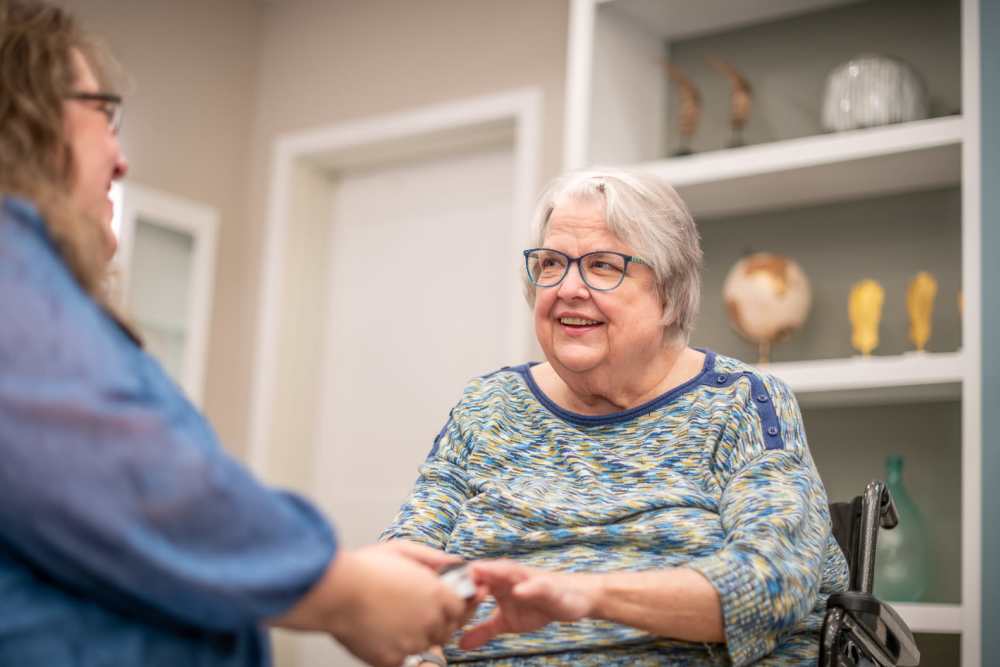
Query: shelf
column 622, row 110
column 910, row 377
column 820, row 169
column 925, row 617
column 672, row 19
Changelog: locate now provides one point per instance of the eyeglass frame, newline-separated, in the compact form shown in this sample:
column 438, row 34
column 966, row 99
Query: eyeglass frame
column 114, row 116
column 576, row 260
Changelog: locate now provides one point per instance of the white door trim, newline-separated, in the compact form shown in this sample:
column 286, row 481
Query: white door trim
column 201, row 222
column 523, row 107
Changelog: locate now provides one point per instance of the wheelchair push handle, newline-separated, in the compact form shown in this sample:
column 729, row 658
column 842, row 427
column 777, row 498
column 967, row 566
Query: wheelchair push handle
column 887, row 507
column 878, row 510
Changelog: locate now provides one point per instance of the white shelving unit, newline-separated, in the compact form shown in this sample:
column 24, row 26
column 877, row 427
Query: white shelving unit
column 617, row 100
column 906, row 378
column 818, row 170
column 925, row 617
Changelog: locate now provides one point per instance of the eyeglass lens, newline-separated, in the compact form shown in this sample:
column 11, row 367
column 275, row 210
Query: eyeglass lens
column 108, row 104
column 600, row 270
column 113, row 110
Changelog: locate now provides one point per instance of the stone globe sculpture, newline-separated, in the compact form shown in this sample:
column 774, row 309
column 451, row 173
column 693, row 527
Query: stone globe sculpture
column 767, row 297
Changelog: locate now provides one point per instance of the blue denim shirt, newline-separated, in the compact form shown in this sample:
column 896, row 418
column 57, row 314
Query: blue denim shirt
column 127, row 535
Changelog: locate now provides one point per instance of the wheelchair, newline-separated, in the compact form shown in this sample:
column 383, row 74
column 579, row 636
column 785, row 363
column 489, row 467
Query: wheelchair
column 859, row 630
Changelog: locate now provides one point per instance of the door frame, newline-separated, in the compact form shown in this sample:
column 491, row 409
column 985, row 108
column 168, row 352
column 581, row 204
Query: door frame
column 135, row 203
column 388, row 136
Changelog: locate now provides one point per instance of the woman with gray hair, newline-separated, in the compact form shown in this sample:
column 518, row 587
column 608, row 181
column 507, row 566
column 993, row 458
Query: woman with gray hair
column 658, row 501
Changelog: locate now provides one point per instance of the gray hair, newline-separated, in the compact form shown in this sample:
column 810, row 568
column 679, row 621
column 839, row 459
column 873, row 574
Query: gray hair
column 646, row 213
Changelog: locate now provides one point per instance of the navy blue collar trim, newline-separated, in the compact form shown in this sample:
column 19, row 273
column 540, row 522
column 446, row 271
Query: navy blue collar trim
column 599, row 420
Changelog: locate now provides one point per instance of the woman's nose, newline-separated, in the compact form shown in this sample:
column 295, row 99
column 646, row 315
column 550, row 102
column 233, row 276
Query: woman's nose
column 121, row 165
column 572, row 286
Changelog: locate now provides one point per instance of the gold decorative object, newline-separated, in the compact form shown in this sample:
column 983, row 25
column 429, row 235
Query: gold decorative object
column 689, row 109
column 767, row 297
column 864, row 307
column 920, row 295
column 740, row 99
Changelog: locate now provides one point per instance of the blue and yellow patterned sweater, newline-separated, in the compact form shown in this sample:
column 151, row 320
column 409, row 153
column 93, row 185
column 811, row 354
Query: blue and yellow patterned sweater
column 714, row 475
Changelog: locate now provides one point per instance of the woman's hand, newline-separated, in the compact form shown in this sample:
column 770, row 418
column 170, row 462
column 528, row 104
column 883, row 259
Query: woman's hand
column 529, row 598
column 383, row 602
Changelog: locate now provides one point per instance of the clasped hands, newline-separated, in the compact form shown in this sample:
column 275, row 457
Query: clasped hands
column 386, row 601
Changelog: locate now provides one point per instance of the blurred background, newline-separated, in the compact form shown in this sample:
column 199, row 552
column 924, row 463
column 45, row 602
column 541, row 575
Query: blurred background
column 322, row 223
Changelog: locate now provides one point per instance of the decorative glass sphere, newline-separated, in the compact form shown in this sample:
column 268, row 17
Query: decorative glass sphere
column 767, row 297
column 871, row 90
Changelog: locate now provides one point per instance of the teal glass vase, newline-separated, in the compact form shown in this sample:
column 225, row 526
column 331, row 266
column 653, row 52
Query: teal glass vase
column 903, row 568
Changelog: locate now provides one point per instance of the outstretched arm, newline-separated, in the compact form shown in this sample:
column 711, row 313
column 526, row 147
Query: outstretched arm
column 382, row 602
column 677, row 602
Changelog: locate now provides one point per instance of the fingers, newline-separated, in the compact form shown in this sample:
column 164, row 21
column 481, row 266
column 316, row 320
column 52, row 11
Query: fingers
column 472, row 603
column 441, row 634
column 533, row 589
column 424, row 555
column 499, row 575
column 454, row 607
column 480, row 634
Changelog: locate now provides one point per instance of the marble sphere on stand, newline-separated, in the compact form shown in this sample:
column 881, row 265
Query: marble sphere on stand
column 767, row 297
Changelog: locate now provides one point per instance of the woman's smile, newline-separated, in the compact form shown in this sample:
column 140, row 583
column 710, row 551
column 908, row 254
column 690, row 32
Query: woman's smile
column 572, row 324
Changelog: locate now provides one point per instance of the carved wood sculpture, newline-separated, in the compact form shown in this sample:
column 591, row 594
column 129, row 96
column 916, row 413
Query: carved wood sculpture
column 689, row 108
column 741, row 97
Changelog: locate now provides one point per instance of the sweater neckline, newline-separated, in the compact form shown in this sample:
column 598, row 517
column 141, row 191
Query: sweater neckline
column 623, row 415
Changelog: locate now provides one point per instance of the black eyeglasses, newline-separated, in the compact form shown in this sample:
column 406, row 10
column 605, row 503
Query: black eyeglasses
column 110, row 105
column 603, row 270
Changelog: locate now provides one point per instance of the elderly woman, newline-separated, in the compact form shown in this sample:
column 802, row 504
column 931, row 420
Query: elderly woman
column 659, row 501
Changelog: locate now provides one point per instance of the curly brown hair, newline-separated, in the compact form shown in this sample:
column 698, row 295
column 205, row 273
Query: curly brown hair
column 37, row 42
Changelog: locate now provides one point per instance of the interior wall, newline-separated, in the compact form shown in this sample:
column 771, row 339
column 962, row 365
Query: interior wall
column 324, row 63
column 216, row 83
column 191, row 70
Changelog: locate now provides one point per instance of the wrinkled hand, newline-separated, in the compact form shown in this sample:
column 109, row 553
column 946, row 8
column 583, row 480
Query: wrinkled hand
column 528, row 599
column 392, row 603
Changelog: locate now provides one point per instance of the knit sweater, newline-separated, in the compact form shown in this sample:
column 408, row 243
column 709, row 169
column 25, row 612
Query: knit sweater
column 714, row 475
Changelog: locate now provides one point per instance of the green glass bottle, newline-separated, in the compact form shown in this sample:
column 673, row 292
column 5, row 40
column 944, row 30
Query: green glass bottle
column 903, row 565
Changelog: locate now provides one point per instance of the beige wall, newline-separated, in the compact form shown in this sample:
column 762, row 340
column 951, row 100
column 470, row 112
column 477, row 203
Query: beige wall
column 216, row 83
column 188, row 116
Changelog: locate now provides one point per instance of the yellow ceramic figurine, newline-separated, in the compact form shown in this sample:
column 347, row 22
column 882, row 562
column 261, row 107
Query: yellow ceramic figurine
column 920, row 306
column 864, row 307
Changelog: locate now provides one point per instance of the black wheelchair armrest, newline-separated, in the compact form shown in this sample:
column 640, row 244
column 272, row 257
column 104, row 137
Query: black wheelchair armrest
column 865, row 614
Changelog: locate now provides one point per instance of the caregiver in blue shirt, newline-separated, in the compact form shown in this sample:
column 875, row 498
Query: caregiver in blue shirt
column 127, row 535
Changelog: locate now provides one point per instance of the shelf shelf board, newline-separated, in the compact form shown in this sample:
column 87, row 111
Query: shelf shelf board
column 905, row 378
column 928, row 617
column 819, row 169
column 672, row 19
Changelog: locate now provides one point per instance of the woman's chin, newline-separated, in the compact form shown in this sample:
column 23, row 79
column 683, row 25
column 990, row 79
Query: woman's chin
column 577, row 358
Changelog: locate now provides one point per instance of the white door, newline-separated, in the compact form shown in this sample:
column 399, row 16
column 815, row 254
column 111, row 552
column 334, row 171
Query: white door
column 421, row 276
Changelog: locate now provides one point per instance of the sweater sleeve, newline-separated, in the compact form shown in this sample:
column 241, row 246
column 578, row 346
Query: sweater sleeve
column 429, row 514
column 774, row 514
column 114, row 485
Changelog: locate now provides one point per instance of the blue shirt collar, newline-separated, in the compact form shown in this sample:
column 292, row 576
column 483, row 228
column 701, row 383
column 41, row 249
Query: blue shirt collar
column 26, row 212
